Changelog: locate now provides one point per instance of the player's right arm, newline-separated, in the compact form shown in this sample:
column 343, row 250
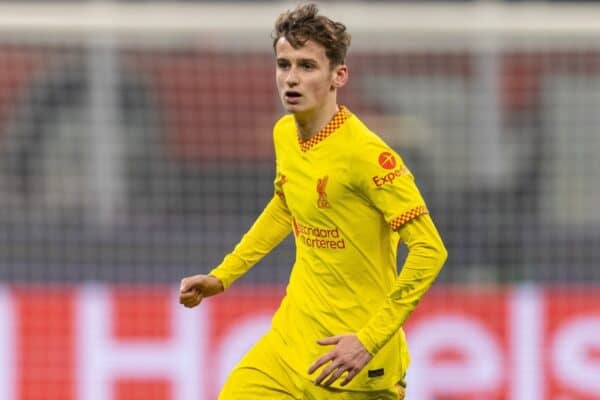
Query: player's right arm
column 196, row 287
column 269, row 229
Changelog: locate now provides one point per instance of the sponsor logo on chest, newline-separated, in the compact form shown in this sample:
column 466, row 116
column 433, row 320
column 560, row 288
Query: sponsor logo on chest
column 320, row 238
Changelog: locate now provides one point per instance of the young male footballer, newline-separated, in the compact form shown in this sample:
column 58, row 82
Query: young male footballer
column 349, row 200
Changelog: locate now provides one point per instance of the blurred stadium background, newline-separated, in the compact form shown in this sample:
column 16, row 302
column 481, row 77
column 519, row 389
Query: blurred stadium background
column 135, row 149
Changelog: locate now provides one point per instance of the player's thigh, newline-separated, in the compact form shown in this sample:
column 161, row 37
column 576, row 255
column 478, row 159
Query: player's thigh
column 246, row 383
column 323, row 393
column 260, row 375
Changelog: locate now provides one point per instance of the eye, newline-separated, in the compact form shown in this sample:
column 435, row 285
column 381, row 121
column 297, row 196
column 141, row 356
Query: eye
column 307, row 66
column 283, row 64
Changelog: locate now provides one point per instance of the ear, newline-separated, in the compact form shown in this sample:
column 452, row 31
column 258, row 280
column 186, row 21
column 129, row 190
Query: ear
column 339, row 76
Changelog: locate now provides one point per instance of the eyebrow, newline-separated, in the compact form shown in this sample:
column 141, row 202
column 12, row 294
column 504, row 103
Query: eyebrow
column 308, row 60
column 300, row 60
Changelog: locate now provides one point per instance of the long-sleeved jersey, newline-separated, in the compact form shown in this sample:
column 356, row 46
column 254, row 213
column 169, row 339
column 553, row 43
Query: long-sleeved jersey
column 349, row 199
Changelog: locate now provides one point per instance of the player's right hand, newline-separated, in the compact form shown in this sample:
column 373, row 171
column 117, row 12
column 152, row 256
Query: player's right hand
column 196, row 287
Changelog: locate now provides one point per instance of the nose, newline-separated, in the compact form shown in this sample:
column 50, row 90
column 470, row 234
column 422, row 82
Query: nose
column 292, row 77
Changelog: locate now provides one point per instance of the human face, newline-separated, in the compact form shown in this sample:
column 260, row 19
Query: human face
column 305, row 80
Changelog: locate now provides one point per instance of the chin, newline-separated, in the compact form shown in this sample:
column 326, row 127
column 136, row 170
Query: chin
column 293, row 108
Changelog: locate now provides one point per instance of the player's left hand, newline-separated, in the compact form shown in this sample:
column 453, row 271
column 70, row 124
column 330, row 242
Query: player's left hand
column 348, row 356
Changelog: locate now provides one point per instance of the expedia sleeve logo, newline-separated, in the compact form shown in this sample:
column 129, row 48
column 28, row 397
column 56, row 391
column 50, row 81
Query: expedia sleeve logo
column 390, row 177
column 387, row 160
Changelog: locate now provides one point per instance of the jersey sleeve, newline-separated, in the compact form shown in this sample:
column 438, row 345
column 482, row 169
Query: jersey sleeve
column 426, row 256
column 280, row 179
column 278, row 183
column 270, row 228
column 386, row 182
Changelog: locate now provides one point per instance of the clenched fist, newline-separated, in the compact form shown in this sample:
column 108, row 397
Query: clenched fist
column 196, row 287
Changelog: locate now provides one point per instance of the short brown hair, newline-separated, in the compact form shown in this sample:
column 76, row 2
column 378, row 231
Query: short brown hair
column 303, row 24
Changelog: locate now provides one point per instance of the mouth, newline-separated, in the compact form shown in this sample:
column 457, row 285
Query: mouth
column 291, row 95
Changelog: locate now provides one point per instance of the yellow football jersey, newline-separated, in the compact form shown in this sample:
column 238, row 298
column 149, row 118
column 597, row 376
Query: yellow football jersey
column 345, row 193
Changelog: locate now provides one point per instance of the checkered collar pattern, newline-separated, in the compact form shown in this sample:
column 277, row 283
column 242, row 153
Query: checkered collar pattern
column 338, row 120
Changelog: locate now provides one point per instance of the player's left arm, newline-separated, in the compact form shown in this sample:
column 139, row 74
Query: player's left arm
column 426, row 256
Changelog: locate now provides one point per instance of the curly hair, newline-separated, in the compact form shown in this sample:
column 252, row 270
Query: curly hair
column 304, row 23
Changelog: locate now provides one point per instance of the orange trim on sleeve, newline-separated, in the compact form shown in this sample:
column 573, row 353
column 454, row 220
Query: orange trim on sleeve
column 338, row 120
column 408, row 216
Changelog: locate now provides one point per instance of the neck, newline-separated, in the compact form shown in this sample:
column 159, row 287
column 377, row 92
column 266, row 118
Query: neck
column 310, row 124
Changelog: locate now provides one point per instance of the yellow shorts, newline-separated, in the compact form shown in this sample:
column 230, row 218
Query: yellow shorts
column 262, row 375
